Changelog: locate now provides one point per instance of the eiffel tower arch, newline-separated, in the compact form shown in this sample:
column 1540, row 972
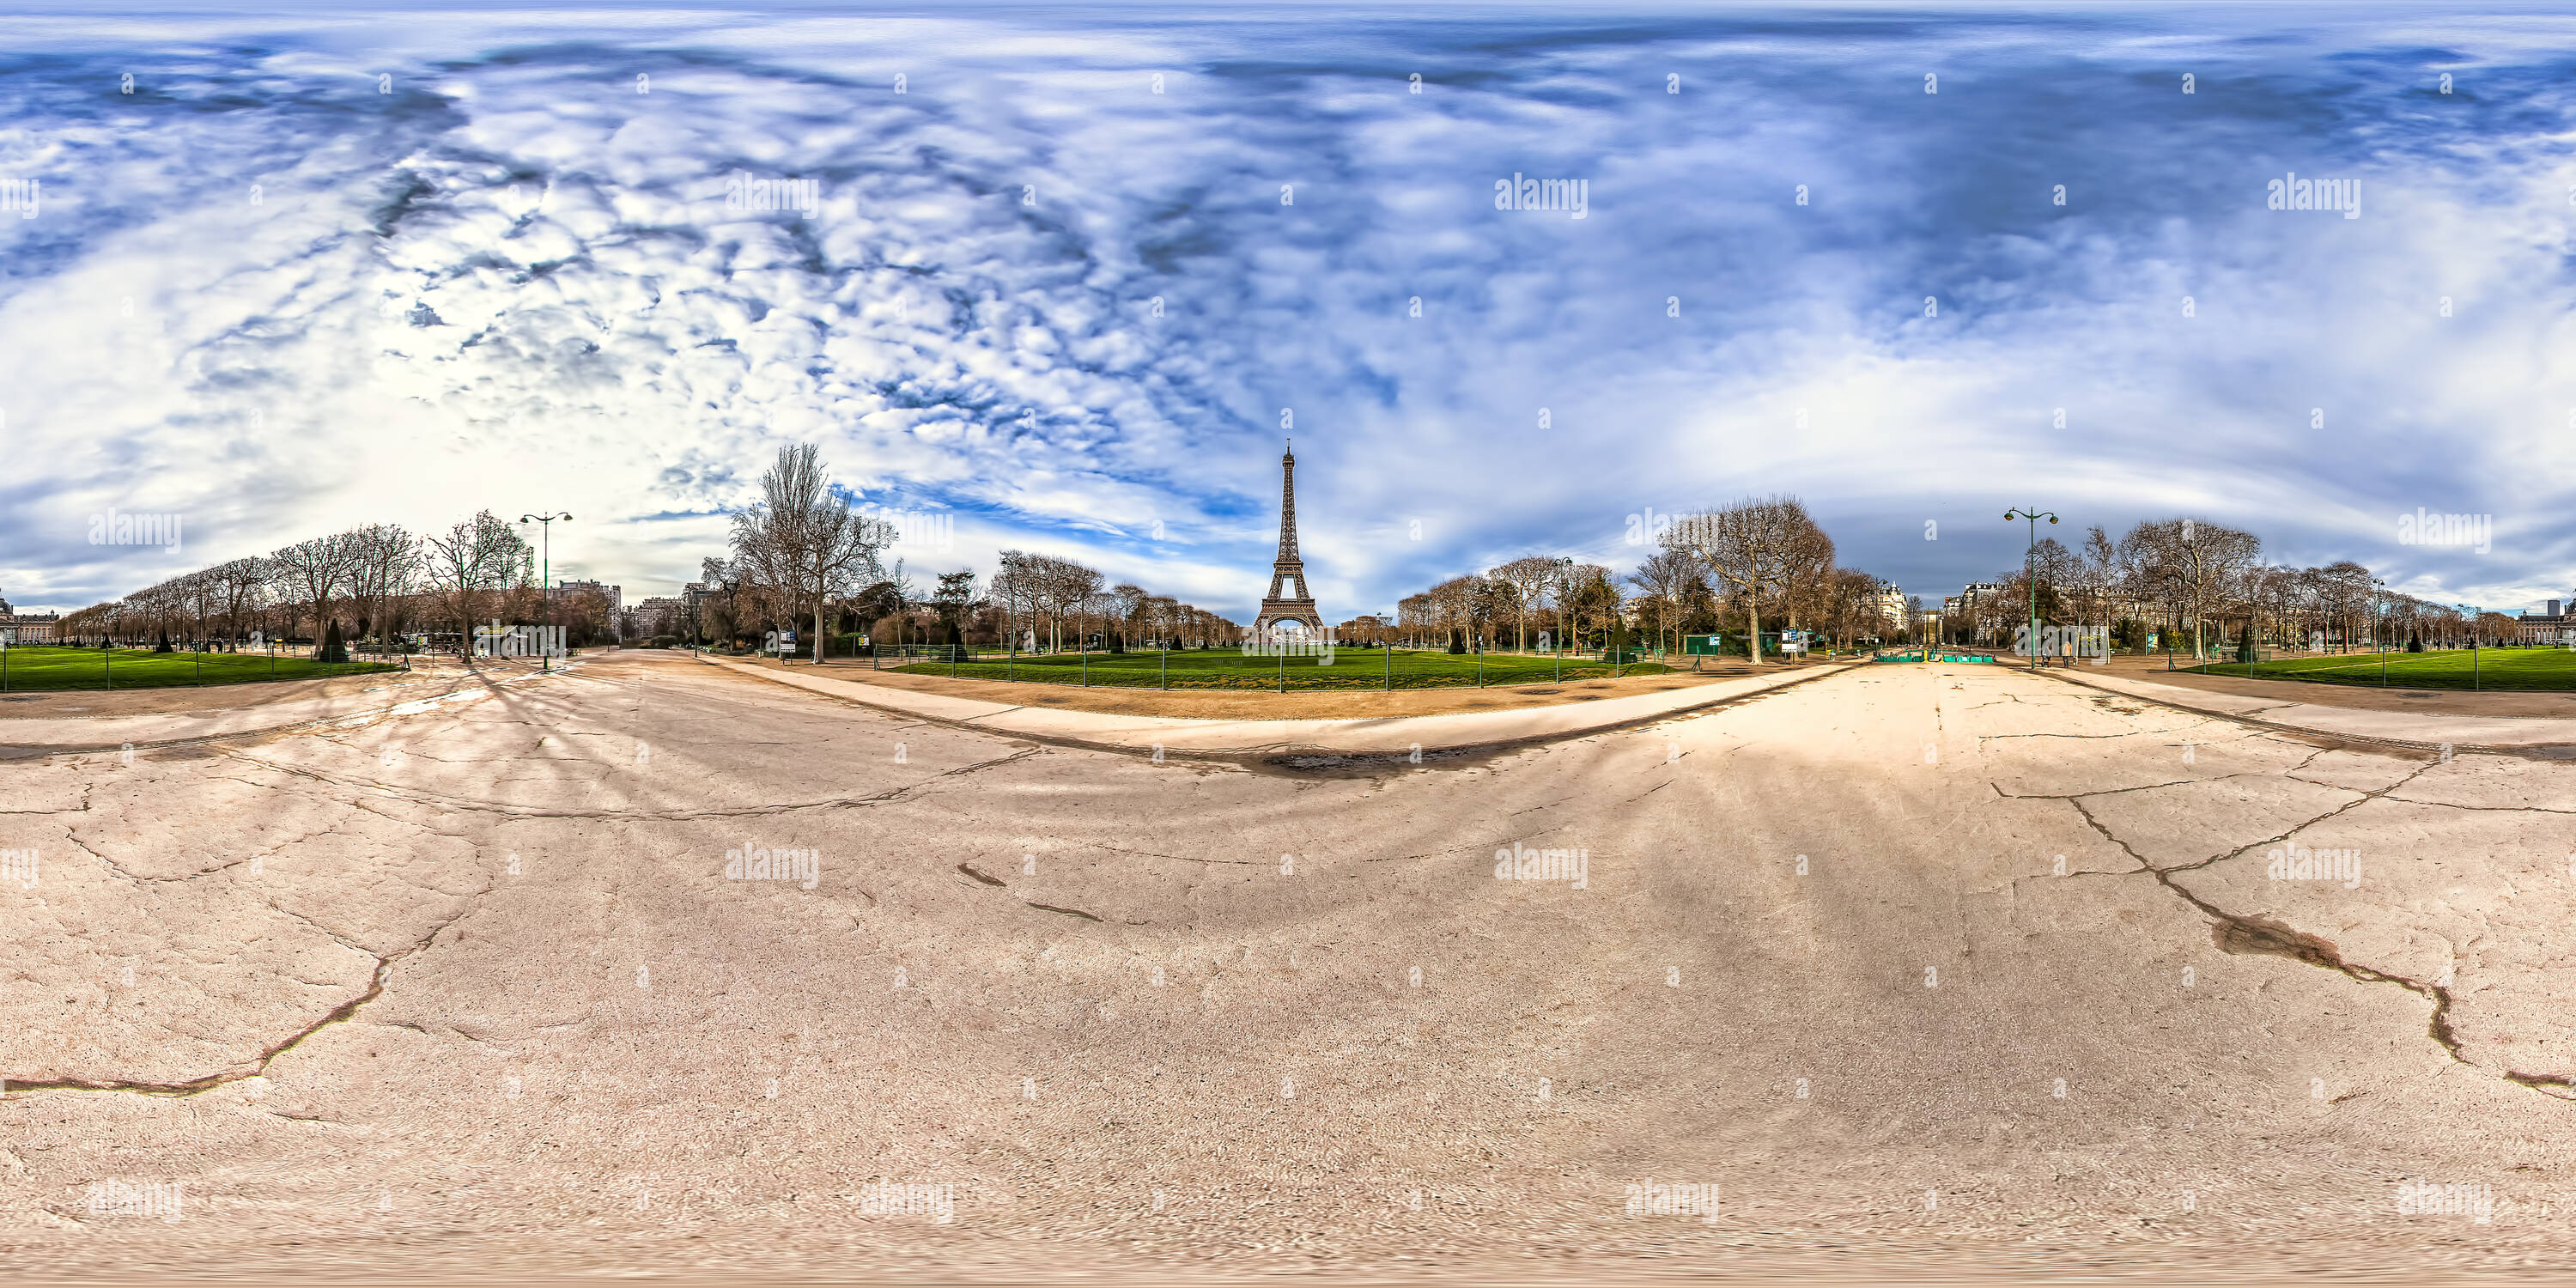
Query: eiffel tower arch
column 1280, row 607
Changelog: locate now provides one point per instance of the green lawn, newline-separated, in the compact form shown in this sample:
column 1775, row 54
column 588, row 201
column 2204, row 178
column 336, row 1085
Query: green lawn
column 34, row 667
column 2496, row 668
column 1230, row 669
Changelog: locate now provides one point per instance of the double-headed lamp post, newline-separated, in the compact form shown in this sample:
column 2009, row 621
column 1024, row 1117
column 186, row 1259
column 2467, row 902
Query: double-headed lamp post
column 545, row 579
column 2029, row 577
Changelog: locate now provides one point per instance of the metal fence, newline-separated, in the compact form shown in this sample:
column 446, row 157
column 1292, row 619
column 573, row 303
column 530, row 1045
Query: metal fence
column 1275, row 670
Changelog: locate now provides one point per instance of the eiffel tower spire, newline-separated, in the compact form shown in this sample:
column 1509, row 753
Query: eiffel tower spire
column 1288, row 504
column 1276, row 607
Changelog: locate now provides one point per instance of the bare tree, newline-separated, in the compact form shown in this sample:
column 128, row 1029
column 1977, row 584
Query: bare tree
column 242, row 587
column 479, row 559
column 2186, row 567
column 1665, row 577
column 312, row 570
column 805, row 540
column 384, row 570
column 1754, row 546
column 1527, row 579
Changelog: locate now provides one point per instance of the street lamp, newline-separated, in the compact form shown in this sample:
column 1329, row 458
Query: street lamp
column 2030, row 579
column 2379, row 610
column 545, row 579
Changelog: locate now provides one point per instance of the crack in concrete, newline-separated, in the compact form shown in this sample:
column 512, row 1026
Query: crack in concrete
column 433, row 800
column 2134, row 733
column 2499, row 809
column 2240, row 934
column 1070, row 912
column 2364, row 797
column 258, row 1065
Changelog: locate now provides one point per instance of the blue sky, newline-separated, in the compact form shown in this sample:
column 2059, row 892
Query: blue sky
column 319, row 270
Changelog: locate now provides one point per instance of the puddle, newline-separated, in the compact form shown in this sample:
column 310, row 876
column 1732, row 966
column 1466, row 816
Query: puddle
column 1330, row 764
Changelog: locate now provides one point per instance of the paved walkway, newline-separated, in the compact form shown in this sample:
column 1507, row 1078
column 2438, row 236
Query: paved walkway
column 2420, row 728
column 641, row 974
column 55, row 734
column 1240, row 737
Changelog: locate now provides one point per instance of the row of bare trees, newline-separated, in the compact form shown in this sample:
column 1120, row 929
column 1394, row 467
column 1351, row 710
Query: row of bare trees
column 1049, row 597
column 2206, row 584
column 804, row 556
column 379, row 579
column 1730, row 569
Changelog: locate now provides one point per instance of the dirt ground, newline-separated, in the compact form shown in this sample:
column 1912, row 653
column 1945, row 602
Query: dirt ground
column 1246, row 705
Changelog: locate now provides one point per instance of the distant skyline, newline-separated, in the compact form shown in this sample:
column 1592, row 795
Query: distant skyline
column 1066, row 277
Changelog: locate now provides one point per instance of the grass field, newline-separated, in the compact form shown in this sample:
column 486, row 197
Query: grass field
column 34, row 668
column 2496, row 668
column 1230, row 669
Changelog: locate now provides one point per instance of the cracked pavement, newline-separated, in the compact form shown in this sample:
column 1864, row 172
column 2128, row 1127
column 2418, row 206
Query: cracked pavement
column 1913, row 963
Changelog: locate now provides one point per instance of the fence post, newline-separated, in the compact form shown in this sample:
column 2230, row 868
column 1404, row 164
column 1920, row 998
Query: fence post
column 1390, row 664
column 1084, row 648
column 1167, row 664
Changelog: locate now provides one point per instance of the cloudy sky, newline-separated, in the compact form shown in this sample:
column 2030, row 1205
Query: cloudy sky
column 1068, row 273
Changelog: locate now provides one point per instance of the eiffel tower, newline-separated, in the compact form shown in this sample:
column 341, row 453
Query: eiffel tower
column 1278, row 609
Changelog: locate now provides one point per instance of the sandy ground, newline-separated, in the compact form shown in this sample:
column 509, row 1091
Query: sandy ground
column 1908, row 972
column 1240, row 705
